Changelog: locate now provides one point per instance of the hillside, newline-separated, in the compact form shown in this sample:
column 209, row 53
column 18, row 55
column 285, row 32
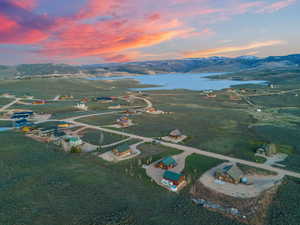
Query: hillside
column 212, row 64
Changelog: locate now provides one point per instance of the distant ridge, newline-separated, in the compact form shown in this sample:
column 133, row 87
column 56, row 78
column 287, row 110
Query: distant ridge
column 188, row 65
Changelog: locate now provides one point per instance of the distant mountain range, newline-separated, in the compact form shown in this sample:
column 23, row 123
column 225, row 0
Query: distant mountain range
column 193, row 65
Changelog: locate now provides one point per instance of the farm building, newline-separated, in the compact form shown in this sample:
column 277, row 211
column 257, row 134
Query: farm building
column 175, row 134
column 166, row 163
column 230, row 173
column 173, row 180
column 122, row 150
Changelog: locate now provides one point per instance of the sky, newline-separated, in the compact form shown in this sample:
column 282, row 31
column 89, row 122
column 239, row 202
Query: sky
column 105, row 31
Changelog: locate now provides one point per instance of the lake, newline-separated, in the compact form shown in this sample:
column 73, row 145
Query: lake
column 195, row 82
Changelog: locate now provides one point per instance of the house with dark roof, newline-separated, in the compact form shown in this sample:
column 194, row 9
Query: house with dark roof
column 230, row 173
column 22, row 123
column 166, row 163
column 122, row 150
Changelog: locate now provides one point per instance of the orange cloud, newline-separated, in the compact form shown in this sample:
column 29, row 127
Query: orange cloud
column 230, row 49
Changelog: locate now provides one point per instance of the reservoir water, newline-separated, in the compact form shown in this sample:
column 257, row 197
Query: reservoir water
column 196, row 82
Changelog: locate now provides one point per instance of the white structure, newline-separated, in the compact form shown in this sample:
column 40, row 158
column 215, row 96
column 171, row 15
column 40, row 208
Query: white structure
column 82, row 106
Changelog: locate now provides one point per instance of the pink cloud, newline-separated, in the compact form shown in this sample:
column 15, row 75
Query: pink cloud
column 276, row 6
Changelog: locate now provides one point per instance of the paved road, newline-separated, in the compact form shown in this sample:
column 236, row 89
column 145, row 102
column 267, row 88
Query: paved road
column 194, row 150
column 149, row 103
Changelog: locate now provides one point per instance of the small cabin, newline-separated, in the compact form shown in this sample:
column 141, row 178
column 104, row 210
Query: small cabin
column 230, row 174
column 173, row 180
column 151, row 110
column 122, row 150
column 166, row 163
column 123, row 121
column 267, row 150
column 175, row 134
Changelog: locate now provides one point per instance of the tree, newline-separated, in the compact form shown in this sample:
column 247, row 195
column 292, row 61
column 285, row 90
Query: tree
column 75, row 149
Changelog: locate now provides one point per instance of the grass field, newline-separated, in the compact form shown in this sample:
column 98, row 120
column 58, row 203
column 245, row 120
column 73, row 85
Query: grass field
column 42, row 185
column 4, row 101
column 94, row 136
column 285, row 209
column 196, row 165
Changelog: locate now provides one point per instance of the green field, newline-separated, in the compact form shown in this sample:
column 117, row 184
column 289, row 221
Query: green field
column 4, row 101
column 94, row 137
column 42, row 185
column 196, row 165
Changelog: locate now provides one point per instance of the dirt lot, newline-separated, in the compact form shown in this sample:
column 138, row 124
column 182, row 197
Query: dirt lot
column 260, row 184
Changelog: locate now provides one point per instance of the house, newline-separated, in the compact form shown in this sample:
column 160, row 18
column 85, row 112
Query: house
column 64, row 125
column 211, row 95
column 27, row 129
column 57, row 134
column 123, row 122
column 131, row 111
column 176, row 134
column 39, row 102
column 230, row 173
column 104, row 99
column 65, row 97
column 267, row 150
column 21, row 115
column 173, row 180
column 22, row 123
column 166, row 163
column 73, row 141
column 151, row 110
column 122, row 150
column 81, row 106
column 84, row 100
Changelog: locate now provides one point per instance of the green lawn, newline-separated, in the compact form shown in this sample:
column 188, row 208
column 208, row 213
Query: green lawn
column 196, row 165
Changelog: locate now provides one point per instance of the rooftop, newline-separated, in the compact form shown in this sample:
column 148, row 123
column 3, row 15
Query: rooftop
column 169, row 175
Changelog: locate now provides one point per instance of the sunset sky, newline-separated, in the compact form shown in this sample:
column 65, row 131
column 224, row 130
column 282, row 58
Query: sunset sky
column 98, row 31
